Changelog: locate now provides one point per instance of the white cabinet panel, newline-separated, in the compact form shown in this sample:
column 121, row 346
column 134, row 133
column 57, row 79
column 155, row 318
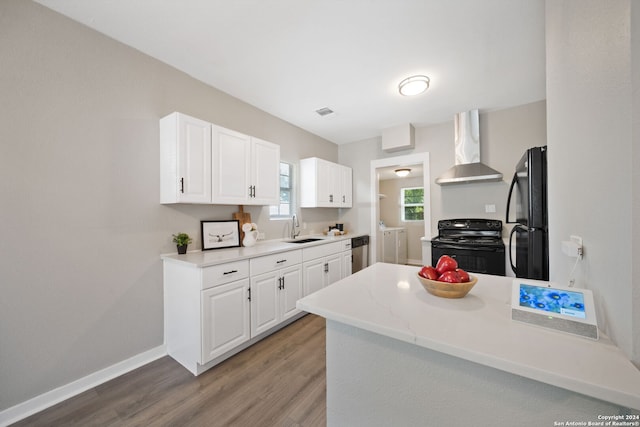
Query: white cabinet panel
column 313, row 275
column 273, row 298
column 347, row 260
column 231, row 166
column 291, row 292
column 225, row 318
column 264, row 302
column 321, row 272
column 185, row 159
column 266, row 172
column 394, row 245
column 245, row 169
column 325, row 184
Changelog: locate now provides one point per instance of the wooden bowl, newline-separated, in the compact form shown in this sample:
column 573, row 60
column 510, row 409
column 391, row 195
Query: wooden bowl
column 446, row 289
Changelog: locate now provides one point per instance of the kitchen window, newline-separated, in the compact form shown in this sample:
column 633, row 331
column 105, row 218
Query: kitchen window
column 285, row 208
column 412, row 204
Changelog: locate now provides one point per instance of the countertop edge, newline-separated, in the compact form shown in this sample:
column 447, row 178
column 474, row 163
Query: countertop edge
column 264, row 247
column 625, row 396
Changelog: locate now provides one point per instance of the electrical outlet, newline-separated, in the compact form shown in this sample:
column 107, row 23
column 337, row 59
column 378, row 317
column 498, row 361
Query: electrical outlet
column 577, row 240
column 490, row 208
column 260, row 236
column 573, row 247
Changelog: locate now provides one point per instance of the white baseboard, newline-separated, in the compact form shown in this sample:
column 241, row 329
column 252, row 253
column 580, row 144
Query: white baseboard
column 50, row 398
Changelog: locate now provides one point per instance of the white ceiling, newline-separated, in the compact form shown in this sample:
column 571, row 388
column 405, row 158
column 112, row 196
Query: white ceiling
column 292, row 57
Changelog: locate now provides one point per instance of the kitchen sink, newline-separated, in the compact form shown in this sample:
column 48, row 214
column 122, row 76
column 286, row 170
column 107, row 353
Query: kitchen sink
column 311, row 239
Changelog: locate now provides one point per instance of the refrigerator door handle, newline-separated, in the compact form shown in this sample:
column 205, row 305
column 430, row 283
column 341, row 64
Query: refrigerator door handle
column 513, row 184
column 513, row 231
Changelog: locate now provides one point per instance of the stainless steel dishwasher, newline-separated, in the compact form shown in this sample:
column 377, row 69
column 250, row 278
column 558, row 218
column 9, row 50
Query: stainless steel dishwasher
column 359, row 253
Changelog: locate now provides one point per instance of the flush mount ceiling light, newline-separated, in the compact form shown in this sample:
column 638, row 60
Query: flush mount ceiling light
column 402, row 172
column 413, row 85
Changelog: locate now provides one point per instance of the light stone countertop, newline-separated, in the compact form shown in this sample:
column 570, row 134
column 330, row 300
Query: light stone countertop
column 388, row 299
column 263, row 247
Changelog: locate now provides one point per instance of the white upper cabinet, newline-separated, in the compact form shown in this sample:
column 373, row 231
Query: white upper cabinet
column 185, row 159
column 205, row 163
column 245, row 170
column 346, row 187
column 325, row 184
column 231, row 163
column 265, row 167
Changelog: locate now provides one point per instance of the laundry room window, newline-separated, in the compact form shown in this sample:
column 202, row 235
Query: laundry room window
column 412, row 204
column 284, row 209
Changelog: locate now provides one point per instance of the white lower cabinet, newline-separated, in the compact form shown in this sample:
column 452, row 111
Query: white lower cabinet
column 322, row 266
column 347, row 258
column 211, row 313
column 225, row 318
column 276, row 285
column 394, row 245
column 206, row 311
column 273, row 298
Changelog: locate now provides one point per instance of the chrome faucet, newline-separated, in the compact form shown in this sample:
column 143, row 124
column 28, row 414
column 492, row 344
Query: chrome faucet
column 294, row 224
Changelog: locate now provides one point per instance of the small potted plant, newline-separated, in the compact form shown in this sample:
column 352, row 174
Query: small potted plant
column 182, row 240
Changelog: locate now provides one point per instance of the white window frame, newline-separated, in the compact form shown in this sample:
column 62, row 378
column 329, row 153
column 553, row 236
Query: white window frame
column 291, row 189
column 403, row 205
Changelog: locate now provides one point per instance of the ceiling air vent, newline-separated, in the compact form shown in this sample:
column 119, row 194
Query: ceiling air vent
column 324, row 111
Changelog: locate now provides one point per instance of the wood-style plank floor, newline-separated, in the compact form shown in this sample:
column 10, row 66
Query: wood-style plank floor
column 280, row 381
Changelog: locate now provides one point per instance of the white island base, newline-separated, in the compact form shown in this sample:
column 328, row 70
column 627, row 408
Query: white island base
column 397, row 356
column 373, row 380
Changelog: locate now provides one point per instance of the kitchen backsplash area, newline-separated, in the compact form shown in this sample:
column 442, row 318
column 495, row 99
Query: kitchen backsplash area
column 187, row 219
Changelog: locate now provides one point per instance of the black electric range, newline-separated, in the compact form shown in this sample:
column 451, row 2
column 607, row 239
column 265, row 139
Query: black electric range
column 476, row 244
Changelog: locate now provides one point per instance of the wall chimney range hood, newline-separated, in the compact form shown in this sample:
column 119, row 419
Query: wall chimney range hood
column 467, row 167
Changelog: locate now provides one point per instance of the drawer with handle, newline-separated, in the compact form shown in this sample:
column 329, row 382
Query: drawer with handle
column 224, row 273
column 273, row 262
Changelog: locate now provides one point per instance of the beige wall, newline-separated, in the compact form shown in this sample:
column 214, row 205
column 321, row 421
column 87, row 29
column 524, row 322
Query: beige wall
column 593, row 109
column 83, row 230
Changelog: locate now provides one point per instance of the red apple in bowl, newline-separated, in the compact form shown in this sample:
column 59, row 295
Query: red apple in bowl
column 428, row 272
column 446, row 263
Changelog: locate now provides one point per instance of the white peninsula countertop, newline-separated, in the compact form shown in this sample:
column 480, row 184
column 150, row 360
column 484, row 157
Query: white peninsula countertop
column 388, row 300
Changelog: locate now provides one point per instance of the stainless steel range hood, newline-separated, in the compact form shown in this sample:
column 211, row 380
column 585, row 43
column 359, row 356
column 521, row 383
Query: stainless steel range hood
column 467, row 147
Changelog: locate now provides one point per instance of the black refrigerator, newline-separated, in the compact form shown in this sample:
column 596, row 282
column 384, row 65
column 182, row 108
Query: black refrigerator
column 528, row 195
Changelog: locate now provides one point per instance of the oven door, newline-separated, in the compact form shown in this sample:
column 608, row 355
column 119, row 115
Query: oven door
column 471, row 258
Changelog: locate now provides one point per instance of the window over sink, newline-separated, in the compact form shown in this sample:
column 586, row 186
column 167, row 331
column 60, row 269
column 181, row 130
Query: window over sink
column 285, row 208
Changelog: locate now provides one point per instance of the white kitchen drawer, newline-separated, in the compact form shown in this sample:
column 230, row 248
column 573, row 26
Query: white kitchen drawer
column 224, row 273
column 268, row 263
column 322, row 250
column 345, row 245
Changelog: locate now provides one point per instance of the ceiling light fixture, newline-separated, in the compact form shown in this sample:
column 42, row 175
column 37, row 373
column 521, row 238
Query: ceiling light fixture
column 413, row 85
column 402, row 172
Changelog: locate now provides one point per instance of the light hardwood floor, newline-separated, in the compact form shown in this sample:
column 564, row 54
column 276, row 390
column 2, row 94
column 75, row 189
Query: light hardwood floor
column 279, row 381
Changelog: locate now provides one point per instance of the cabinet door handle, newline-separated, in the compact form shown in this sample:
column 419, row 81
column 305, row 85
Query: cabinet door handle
column 282, row 283
column 249, row 291
column 331, row 198
column 281, row 261
column 343, row 199
column 250, row 195
column 182, row 185
column 229, row 272
column 326, row 267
